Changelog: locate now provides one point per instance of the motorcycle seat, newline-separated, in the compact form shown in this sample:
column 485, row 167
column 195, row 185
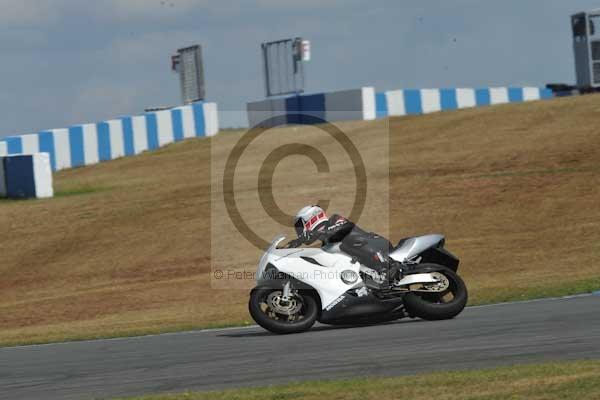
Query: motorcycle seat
column 364, row 246
column 401, row 242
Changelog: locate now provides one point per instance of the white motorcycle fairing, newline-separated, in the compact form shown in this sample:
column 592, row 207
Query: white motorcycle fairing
column 323, row 269
column 413, row 246
column 356, row 282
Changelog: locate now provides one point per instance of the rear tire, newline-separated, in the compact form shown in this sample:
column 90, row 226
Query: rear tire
column 430, row 306
column 268, row 318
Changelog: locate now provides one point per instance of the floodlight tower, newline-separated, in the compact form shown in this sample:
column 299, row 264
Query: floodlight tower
column 188, row 63
column 283, row 65
column 586, row 45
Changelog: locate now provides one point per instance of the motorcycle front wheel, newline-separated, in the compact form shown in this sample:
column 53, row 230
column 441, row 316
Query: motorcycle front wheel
column 438, row 305
column 272, row 312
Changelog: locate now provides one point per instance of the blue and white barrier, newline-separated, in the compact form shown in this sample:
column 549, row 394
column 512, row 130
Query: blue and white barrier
column 364, row 104
column 355, row 104
column 2, row 178
column 422, row 101
column 89, row 144
column 26, row 176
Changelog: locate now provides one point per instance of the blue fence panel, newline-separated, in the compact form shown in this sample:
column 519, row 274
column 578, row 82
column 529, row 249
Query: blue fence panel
column 412, row 101
column 152, row 131
column 14, row 145
column 20, row 179
column 128, row 136
column 546, row 93
column 46, row 141
column 76, row 146
column 482, row 97
column 381, row 107
column 104, row 148
column 313, row 108
column 515, row 95
column 448, row 99
column 293, row 109
column 199, row 122
column 177, row 118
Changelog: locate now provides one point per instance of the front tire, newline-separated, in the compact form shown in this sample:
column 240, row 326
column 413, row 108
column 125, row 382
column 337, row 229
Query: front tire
column 433, row 306
column 266, row 309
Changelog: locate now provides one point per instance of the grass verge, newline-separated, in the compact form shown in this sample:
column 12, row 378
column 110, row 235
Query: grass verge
column 502, row 295
column 80, row 190
column 549, row 381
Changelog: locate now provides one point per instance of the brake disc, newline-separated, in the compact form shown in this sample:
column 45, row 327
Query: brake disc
column 280, row 306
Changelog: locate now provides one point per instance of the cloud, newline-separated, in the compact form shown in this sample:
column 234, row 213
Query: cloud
column 154, row 47
column 69, row 61
column 301, row 5
column 102, row 100
column 133, row 10
column 28, row 12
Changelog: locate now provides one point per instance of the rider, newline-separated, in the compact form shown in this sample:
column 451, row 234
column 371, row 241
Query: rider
column 311, row 224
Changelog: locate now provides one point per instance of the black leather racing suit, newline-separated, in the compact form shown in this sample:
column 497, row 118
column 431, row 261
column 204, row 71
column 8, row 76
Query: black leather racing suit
column 369, row 248
column 334, row 230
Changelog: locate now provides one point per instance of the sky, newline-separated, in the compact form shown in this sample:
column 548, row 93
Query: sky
column 66, row 62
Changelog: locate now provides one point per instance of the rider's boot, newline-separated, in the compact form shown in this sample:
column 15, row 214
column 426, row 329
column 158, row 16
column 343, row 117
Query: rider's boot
column 383, row 276
column 395, row 273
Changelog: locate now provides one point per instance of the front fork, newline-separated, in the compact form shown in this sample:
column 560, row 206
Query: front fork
column 286, row 291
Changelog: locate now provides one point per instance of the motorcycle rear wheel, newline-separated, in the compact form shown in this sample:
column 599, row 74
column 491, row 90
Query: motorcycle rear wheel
column 438, row 306
column 265, row 309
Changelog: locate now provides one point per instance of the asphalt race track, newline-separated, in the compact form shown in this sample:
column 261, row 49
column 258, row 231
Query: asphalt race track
column 536, row 331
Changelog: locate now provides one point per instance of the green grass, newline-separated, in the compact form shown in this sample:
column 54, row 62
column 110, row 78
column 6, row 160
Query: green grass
column 77, row 190
column 556, row 289
column 502, row 295
column 72, row 190
column 497, row 296
column 549, row 381
column 62, row 338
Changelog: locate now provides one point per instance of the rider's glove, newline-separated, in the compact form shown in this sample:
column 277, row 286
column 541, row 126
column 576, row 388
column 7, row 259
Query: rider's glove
column 296, row 242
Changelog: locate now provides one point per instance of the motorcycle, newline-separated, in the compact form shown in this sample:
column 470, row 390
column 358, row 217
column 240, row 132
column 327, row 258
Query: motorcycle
column 334, row 284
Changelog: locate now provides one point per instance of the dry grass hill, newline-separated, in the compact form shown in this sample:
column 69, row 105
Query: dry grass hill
column 125, row 247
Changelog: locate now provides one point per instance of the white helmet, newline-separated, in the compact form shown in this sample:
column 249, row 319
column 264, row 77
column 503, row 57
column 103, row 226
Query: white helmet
column 308, row 218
